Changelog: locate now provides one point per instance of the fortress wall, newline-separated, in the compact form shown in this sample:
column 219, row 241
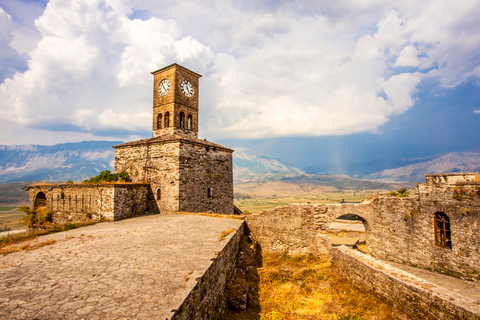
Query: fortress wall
column 71, row 203
column 201, row 168
column 287, row 229
column 208, row 298
column 397, row 229
column 130, row 200
column 416, row 297
column 404, row 228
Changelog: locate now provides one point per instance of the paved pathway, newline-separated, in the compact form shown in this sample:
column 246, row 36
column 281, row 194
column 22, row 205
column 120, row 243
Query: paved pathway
column 139, row 268
column 465, row 288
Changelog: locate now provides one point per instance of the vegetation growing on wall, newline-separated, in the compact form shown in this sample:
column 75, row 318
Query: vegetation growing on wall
column 401, row 193
column 108, row 177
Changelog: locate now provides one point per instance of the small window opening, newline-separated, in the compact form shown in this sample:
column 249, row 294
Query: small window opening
column 159, row 121
column 209, row 192
column 62, row 195
column 182, row 120
column 166, row 122
column 189, row 122
column 159, row 194
column 442, row 230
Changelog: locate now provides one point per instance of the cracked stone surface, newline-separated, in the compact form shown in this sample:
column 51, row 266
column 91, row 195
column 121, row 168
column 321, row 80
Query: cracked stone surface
column 139, row 268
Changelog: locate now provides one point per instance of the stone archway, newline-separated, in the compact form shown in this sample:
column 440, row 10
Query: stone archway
column 40, row 201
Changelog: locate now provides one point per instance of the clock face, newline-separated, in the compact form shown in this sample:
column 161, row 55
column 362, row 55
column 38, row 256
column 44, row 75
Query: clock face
column 163, row 87
column 187, row 88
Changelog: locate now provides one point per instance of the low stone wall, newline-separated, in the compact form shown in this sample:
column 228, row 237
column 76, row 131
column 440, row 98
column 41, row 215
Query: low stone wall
column 287, row 229
column 83, row 202
column 416, row 297
column 208, row 298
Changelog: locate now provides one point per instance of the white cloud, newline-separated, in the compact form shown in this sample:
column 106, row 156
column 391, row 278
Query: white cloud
column 283, row 69
column 91, row 69
column 477, row 111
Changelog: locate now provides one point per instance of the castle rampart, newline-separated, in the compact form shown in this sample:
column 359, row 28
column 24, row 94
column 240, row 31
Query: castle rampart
column 435, row 227
column 83, row 202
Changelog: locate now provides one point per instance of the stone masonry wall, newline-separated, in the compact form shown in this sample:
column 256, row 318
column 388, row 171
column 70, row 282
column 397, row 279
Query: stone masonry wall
column 397, row 229
column 413, row 295
column 83, row 202
column 156, row 164
column 287, row 229
column 201, row 168
column 130, row 200
column 207, row 300
column 406, row 228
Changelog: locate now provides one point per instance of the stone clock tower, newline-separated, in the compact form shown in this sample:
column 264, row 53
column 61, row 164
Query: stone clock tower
column 175, row 101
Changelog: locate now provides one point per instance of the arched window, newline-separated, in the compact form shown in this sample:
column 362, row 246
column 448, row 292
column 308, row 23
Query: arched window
column 209, row 192
column 159, row 121
column 442, row 230
column 189, row 122
column 40, row 200
column 166, row 122
column 182, row 120
column 159, row 194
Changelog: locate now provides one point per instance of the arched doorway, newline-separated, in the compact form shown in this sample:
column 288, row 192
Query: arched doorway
column 40, row 201
column 349, row 230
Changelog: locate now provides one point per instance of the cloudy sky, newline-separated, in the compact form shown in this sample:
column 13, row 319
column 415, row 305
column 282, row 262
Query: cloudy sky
column 308, row 81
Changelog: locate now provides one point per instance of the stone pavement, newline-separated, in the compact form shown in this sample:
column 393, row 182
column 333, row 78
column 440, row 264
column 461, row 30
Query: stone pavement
column 465, row 288
column 140, row 268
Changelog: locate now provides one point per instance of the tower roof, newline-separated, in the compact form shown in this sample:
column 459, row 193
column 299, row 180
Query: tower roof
column 173, row 65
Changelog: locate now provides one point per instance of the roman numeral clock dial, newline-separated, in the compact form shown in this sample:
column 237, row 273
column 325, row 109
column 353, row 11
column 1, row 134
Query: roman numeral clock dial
column 187, row 88
column 163, row 87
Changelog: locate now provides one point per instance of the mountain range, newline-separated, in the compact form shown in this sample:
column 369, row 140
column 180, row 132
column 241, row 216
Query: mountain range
column 81, row 160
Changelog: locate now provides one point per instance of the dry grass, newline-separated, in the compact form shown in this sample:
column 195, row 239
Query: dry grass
column 6, row 250
column 477, row 177
column 306, row 287
column 216, row 215
column 225, row 234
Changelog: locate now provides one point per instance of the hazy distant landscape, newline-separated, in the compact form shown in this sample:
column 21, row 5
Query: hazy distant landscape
column 261, row 180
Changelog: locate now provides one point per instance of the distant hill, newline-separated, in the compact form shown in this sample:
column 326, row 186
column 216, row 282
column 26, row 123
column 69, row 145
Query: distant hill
column 406, row 170
column 61, row 162
column 249, row 165
column 450, row 162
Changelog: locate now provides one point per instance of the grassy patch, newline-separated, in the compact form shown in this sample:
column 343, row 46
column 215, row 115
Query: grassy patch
column 6, row 243
column 225, row 234
column 9, row 218
column 306, row 287
column 10, row 249
column 216, row 215
column 257, row 204
column 9, row 208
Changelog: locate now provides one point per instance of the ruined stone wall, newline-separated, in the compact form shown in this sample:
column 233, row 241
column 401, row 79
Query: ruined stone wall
column 156, row 164
column 414, row 296
column 83, row 202
column 406, row 228
column 289, row 229
column 208, row 299
column 204, row 168
column 397, row 229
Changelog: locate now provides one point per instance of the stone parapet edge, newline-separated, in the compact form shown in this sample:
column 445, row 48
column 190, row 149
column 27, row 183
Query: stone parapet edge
column 415, row 296
column 207, row 299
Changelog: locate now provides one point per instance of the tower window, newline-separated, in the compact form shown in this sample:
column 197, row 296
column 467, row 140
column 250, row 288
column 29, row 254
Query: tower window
column 182, row 120
column 209, row 192
column 159, row 121
column 442, row 230
column 159, row 194
column 189, row 122
column 166, row 122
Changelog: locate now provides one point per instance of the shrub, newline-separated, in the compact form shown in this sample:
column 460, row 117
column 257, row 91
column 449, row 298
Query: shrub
column 107, row 176
column 401, row 193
